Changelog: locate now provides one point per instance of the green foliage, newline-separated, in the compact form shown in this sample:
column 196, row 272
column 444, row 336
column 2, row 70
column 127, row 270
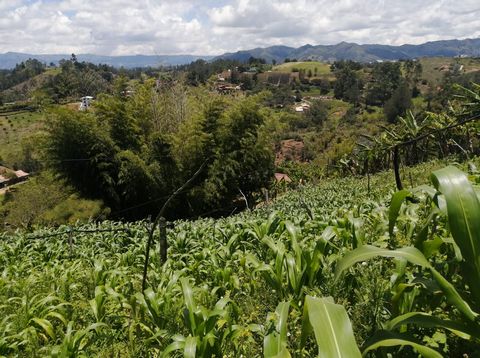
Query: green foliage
column 331, row 326
column 399, row 102
column 463, row 211
column 458, row 201
column 347, row 85
column 318, row 113
column 251, row 284
column 123, row 129
column 22, row 72
column 132, row 152
column 45, row 200
column 78, row 79
column 386, row 77
column 80, row 150
column 275, row 342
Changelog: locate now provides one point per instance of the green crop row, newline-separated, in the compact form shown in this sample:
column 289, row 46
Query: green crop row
column 310, row 274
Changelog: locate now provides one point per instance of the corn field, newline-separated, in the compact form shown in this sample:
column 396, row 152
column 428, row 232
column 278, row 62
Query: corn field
column 333, row 270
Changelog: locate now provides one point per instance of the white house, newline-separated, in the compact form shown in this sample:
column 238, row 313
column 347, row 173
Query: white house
column 85, row 103
column 303, row 107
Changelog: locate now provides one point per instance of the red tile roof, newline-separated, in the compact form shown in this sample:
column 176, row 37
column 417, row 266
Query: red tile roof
column 280, row 176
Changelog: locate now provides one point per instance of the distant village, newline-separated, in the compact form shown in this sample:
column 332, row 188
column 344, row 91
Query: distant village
column 224, row 83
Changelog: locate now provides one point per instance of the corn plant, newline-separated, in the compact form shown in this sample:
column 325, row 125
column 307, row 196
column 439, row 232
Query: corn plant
column 455, row 196
column 75, row 342
column 209, row 330
column 225, row 278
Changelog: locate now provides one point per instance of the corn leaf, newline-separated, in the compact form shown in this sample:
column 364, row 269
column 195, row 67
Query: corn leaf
column 367, row 252
column 463, row 329
column 397, row 200
column 190, row 347
column 331, row 326
column 414, row 256
column 463, row 208
column 275, row 343
column 46, row 326
column 392, row 339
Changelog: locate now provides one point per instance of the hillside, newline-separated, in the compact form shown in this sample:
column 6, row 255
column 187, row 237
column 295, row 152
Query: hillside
column 361, row 53
column 77, row 290
column 320, row 68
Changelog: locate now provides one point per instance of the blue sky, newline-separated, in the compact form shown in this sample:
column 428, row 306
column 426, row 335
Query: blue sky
column 207, row 27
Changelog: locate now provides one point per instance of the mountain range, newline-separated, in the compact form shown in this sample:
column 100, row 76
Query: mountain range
column 361, row 53
column 341, row 51
column 10, row 59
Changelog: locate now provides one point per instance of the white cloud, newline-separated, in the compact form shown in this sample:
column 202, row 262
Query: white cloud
column 213, row 27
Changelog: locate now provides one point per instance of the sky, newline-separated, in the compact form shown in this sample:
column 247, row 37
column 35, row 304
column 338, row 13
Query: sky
column 207, row 27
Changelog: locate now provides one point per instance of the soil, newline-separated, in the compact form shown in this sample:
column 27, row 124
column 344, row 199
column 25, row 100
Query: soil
column 289, row 149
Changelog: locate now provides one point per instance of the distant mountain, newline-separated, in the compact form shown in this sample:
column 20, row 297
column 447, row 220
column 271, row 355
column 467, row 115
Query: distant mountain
column 10, row 59
column 277, row 53
column 361, row 53
column 341, row 51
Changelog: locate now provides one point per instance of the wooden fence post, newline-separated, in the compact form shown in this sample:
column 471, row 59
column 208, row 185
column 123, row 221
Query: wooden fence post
column 70, row 240
column 158, row 219
column 162, row 243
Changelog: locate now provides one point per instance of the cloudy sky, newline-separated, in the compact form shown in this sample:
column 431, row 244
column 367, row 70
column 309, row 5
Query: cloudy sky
column 207, row 27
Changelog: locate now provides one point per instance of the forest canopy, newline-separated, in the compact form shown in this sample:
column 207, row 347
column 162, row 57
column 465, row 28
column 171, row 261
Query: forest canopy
column 132, row 152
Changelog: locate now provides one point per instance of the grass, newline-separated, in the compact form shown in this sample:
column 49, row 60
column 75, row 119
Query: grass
column 435, row 68
column 322, row 68
column 14, row 127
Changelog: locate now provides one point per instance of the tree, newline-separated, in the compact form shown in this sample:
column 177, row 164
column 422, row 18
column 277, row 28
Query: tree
column 80, row 151
column 136, row 184
column 347, row 85
column 245, row 160
column 132, row 151
column 123, row 129
column 386, row 77
column 238, row 152
column 318, row 113
column 398, row 104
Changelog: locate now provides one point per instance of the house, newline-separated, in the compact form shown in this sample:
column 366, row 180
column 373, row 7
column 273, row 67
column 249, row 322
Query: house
column 228, row 88
column 281, row 177
column 225, row 76
column 9, row 176
column 302, row 107
column 21, row 175
column 85, row 103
